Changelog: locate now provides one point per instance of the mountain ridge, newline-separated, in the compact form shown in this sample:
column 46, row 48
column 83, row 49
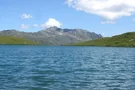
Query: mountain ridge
column 54, row 35
column 12, row 40
column 122, row 40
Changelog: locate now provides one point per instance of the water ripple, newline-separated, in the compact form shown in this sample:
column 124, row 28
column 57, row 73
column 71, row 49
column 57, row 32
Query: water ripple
column 66, row 68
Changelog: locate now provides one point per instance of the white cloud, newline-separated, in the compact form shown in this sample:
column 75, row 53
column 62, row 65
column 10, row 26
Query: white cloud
column 50, row 23
column 103, row 34
column 26, row 16
column 108, row 9
column 24, row 26
column 108, row 22
column 36, row 25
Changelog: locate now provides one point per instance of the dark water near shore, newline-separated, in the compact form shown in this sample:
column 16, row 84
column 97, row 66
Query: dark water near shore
column 66, row 68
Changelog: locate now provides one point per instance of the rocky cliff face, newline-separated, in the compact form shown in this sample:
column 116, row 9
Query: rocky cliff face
column 54, row 35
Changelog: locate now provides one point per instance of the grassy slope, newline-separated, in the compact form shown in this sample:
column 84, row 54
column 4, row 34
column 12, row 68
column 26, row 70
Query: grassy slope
column 15, row 41
column 126, row 40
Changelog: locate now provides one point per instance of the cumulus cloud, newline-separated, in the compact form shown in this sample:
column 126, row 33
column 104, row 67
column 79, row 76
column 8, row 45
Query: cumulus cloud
column 50, row 23
column 23, row 26
column 108, row 9
column 108, row 22
column 26, row 16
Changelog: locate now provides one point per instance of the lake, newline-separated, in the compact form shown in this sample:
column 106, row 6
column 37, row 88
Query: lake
column 66, row 68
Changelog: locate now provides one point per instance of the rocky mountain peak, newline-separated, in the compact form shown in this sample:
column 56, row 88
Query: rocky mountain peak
column 55, row 35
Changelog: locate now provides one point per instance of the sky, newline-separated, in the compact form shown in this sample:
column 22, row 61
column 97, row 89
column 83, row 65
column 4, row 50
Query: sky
column 106, row 17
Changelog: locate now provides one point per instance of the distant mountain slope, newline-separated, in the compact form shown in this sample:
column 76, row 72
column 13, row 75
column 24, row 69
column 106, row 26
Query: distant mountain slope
column 54, row 35
column 126, row 40
column 15, row 40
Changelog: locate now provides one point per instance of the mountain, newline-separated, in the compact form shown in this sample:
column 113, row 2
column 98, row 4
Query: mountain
column 15, row 40
column 54, row 35
column 126, row 40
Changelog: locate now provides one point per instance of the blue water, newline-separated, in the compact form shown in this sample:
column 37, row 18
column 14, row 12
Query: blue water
column 66, row 68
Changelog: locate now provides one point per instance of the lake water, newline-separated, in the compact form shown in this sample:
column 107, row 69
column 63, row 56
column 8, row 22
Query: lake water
column 66, row 68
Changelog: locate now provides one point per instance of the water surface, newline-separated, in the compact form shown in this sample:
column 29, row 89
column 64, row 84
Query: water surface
column 66, row 68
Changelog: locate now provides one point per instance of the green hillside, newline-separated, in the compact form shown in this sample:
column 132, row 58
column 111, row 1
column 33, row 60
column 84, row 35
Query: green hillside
column 126, row 40
column 15, row 41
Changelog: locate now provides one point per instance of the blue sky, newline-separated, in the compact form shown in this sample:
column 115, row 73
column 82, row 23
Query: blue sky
column 34, row 15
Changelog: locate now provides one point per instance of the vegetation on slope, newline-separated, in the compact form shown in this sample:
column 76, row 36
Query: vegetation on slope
column 16, row 41
column 54, row 35
column 126, row 40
